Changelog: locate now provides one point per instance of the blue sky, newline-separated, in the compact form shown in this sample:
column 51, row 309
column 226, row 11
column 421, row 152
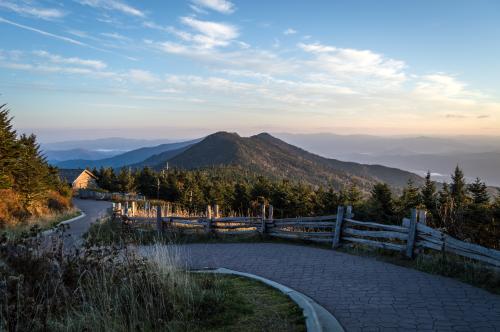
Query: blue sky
column 96, row 68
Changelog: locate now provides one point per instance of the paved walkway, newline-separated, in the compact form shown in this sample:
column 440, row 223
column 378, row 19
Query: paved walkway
column 364, row 294
column 93, row 210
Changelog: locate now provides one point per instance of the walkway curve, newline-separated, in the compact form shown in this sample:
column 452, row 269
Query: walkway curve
column 362, row 293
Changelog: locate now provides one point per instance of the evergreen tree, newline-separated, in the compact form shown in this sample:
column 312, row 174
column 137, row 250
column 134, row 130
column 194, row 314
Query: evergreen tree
column 428, row 194
column 352, row 196
column 459, row 189
column 381, row 203
column 9, row 149
column 125, row 181
column 32, row 175
column 410, row 198
column 479, row 193
column 478, row 211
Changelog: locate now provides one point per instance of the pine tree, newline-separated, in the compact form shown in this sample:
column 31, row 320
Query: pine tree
column 478, row 211
column 382, row 204
column 479, row 193
column 9, row 149
column 125, row 180
column 459, row 189
column 410, row 198
column 32, row 177
column 428, row 193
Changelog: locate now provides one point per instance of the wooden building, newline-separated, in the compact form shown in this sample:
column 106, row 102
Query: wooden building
column 79, row 179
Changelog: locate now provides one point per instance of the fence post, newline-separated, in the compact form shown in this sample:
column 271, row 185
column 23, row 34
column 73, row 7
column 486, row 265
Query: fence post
column 338, row 227
column 271, row 215
column 134, row 207
column 209, row 219
column 216, row 211
column 422, row 214
column 263, row 216
column 126, row 208
column 412, row 232
column 159, row 221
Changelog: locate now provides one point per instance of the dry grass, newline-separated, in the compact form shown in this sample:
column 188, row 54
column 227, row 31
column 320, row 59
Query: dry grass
column 107, row 289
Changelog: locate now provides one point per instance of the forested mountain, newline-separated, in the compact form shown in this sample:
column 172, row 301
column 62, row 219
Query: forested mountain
column 125, row 159
column 269, row 156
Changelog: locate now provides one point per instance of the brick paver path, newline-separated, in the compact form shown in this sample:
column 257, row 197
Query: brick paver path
column 362, row 293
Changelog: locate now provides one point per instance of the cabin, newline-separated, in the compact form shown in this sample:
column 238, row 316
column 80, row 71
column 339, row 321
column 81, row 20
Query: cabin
column 79, row 179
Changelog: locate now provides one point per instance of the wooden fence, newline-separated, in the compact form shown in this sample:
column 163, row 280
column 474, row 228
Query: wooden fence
column 409, row 238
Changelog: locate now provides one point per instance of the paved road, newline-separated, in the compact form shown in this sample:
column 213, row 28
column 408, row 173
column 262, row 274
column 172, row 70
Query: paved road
column 76, row 229
column 362, row 293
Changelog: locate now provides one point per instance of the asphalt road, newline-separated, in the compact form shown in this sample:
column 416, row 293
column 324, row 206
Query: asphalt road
column 73, row 235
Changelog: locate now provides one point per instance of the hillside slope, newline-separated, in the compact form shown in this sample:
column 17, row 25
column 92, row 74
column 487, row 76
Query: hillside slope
column 272, row 157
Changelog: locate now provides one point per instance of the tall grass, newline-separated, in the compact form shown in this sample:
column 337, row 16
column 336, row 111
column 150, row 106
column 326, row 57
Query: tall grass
column 102, row 289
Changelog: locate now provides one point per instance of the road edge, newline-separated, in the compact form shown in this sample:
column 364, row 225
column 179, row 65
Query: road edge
column 318, row 319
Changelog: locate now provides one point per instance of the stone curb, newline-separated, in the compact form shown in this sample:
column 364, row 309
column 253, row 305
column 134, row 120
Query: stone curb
column 318, row 319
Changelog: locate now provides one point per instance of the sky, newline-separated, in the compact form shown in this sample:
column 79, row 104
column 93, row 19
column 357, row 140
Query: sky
column 184, row 68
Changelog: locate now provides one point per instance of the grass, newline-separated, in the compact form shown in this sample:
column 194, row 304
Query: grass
column 34, row 226
column 254, row 306
column 108, row 288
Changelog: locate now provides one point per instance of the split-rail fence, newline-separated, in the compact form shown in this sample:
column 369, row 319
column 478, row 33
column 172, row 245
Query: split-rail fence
column 409, row 238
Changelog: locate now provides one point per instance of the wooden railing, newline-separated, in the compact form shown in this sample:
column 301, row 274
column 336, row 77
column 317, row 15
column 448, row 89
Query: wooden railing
column 409, row 238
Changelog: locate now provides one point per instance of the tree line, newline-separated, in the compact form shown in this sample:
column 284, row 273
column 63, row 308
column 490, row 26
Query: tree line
column 466, row 211
column 29, row 186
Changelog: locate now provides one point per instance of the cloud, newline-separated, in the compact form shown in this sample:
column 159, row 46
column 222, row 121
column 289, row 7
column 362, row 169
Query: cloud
column 141, row 76
column 114, row 35
column 114, row 5
column 28, row 10
column 289, row 31
column 346, row 62
column 210, row 34
column 483, row 116
column 221, row 6
column 96, row 64
column 316, row 48
column 440, row 86
column 45, row 33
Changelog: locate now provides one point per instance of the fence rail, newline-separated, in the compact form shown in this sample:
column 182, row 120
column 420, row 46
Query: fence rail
column 409, row 238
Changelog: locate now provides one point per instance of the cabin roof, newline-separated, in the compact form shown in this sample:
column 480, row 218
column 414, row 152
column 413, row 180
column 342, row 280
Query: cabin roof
column 70, row 175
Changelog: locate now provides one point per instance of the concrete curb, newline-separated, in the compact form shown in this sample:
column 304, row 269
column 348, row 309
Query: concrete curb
column 69, row 221
column 318, row 319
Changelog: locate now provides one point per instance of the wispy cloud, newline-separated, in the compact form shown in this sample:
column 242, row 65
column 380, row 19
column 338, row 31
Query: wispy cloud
column 141, row 76
column 289, row 31
column 42, row 32
column 210, row 34
column 27, row 9
column 114, row 5
column 345, row 62
column 96, row 64
column 221, row 6
column 114, row 35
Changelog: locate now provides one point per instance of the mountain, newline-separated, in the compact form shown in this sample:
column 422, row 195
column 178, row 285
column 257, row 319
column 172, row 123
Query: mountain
column 484, row 165
column 127, row 158
column 105, row 144
column 54, row 156
column 478, row 156
column 334, row 145
column 267, row 155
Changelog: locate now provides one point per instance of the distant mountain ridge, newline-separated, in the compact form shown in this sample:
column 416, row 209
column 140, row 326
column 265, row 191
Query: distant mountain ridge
column 127, row 158
column 267, row 155
column 478, row 156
